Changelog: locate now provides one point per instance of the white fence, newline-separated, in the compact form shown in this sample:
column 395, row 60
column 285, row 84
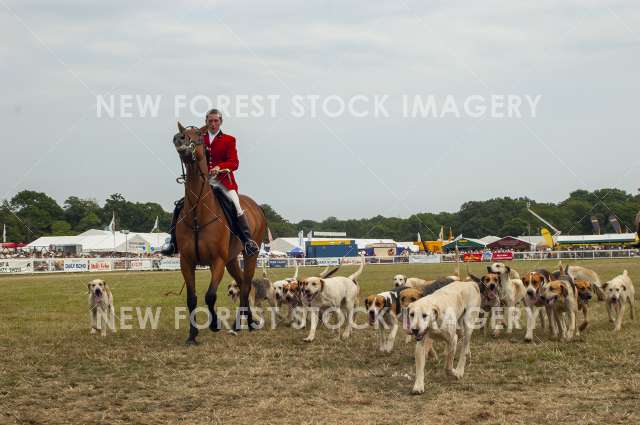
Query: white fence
column 65, row 265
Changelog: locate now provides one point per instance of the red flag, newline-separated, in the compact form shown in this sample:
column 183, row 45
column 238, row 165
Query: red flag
column 269, row 235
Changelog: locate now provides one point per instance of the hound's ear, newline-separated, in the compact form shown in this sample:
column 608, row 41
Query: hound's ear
column 366, row 302
column 605, row 285
column 624, row 288
column 436, row 313
column 321, row 284
column 89, row 285
column 476, row 279
column 489, row 269
column 180, row 128
column 564, row 291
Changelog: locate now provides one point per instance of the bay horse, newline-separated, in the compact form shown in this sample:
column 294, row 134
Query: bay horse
column 204, row 237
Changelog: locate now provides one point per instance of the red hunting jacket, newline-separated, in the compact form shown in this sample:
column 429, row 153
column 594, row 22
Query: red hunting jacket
column 222, row 152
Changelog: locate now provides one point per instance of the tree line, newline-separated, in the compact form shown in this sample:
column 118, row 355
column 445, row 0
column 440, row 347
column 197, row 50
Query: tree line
column 30, row 214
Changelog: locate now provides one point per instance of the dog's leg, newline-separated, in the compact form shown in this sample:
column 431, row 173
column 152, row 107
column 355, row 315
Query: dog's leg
column 573, row 330
column 391, row 339
column 553, row 323
column 541, row 313
column 104, row 317
column 531, row 320
column 610, row 312
column 585, row 322
column 632, row 307
column 418, row 386
column 315, row 312
column 620, row 316
column 464, row 351
column 451, row 351
column 349, row 318
column 93, row 318
column 381, row 340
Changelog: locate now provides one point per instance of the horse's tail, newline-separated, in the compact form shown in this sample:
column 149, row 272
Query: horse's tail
column 179, row 293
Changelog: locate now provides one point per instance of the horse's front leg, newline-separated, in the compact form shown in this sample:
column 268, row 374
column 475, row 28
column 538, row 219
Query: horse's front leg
column 245, row 289
column 189, row 275
column 217, row 271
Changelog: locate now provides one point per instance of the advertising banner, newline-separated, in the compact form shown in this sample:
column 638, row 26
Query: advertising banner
column 41, row 265
column 170, row 264
column 500, row 256
column 472, row 257
column 425, row 259
column 16, row 266
column 142, row 264
column 278, row 263
column 328, row 261
column 99, row 266
column 76, row 265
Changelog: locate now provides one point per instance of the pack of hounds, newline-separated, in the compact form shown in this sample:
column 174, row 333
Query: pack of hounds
column 448, row 308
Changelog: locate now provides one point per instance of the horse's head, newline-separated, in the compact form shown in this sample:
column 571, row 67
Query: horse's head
column 189, row 144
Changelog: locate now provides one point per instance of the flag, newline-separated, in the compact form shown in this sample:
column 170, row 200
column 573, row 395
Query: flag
column 269, row 235
column 596, row 225
column 615, row 223
column 441, row 234
column 112, row 225
column 156, row 226
column 4, row 233
column 547, row 237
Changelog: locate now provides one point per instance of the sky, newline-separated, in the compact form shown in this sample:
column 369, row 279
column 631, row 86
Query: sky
column 580, row 59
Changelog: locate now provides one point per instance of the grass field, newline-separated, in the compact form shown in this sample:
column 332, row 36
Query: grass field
column 53, row 371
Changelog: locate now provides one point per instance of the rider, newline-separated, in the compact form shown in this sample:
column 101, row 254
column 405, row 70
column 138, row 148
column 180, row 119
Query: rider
column 222, row 156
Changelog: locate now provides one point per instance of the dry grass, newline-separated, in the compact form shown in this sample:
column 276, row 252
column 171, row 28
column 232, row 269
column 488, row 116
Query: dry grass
column 53, row 371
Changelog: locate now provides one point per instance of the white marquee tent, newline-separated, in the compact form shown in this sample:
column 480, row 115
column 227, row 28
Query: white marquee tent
column 95, row 240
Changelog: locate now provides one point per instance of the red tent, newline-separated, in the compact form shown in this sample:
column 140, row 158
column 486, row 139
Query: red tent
column 510, row 242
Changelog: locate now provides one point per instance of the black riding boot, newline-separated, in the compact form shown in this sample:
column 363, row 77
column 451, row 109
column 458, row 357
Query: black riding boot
column 170, row 246
column 251, row 248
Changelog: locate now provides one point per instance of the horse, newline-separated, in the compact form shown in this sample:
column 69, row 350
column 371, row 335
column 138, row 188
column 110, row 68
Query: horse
column 204, row 237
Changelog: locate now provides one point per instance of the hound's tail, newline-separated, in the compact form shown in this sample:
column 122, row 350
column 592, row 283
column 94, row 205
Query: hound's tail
column 358, row 272
column 295, row 276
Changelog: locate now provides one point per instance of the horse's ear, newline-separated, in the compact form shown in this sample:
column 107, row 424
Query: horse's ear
column 180, row 128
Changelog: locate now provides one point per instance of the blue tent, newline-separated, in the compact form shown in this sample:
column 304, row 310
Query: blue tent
column 296, row 252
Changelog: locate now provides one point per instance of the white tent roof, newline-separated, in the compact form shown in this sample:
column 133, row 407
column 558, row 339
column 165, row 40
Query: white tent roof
column 104, row 240
column 489, row 239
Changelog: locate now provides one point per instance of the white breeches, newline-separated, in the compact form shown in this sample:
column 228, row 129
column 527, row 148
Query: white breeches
column 232, row 195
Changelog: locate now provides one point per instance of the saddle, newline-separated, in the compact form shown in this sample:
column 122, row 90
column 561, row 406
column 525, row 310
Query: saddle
column 228, row 209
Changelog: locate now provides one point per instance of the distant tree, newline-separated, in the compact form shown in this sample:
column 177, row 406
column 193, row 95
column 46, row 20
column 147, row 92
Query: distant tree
column 36, row 211
column 89, row 221
column 61, row 228
column 76, row 209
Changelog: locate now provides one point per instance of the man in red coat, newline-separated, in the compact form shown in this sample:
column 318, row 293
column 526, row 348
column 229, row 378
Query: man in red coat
column 223, row 161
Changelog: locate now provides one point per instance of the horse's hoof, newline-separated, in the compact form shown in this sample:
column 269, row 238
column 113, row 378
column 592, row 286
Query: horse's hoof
column 191, row 341
column 232, row 332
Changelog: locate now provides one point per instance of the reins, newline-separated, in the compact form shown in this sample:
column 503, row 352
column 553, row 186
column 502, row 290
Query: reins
column 184, row 179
